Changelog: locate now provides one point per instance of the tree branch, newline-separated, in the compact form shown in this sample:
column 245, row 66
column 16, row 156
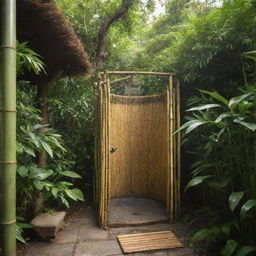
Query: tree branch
column 101, row 55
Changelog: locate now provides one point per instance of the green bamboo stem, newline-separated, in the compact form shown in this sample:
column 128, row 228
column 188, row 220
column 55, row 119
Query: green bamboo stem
column 8, row 127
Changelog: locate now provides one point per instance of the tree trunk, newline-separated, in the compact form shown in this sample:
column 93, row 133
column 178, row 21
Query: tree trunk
column 42, row 98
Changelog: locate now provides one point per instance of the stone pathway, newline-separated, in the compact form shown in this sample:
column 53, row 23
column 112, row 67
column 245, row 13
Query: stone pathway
column 82, row 237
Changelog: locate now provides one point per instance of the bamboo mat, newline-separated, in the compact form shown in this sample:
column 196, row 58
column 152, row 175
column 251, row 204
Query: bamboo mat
column 148, row 241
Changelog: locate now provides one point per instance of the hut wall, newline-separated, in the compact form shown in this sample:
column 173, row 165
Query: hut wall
column 138, row 128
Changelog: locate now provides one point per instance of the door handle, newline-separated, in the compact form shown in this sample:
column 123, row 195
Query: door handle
column 113, row 149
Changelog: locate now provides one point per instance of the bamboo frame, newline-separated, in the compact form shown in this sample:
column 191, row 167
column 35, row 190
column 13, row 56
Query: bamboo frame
column 138, row 73
column 8, row 127
column 120, row 79
column 173, row 122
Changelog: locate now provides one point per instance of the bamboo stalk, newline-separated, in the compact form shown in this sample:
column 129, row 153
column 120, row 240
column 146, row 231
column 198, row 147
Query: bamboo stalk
column 8, row 127
column 171, row 150
column 174, row 150
column 105, row 150
column 178, row 145
column 138, row 73
column 120, row 79
column 168, row 198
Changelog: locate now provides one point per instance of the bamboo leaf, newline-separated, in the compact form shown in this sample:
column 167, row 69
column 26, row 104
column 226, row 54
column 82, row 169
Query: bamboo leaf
column 247, row 207
column 203, row 107
column 205, row 233
column 250, row 126
column 229, row 248
column 222, row 116
column 234, row 199
column 216, row 96
column 236, row 100
column 196, row 181
column 245, row 250
column 195, row 125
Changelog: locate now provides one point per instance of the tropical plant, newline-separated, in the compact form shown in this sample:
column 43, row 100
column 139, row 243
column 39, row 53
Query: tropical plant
column 224, row 172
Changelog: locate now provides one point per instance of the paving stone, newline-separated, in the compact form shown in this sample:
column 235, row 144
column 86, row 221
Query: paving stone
column 89, row 232
column 50, row 249
column 181, row 252
column 66, row 236
column 98, row 248
column 161, row 253
column 48, row 224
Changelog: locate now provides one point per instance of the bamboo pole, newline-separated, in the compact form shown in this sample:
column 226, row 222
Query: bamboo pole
column 174, row 99
column 168, row 198
column 101, row 176
column 138, row 73
column 171, row 141
column 108, row 177
column 178, row 147
column 120, row 79
column 105, row 150
column 8, row 127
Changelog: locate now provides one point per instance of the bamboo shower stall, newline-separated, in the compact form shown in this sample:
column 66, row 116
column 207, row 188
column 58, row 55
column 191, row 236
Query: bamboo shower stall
column 138, row 158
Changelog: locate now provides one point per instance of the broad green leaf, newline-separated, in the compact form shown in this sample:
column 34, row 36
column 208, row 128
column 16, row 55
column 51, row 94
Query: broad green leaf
column 71, row 174
column 47, row 148
column 40, row 174
column 25, row 225
column 71, row 194
column 39, row 184
column 22, row 171
column 64, row 201
column 29, row 151
column 216, row 96
column 251, row 126
column 196, row 181
column 78, row 193
column 236, row 100
column 245, row 250
column 247, row 207
column 206, row 233
column 234, row 199
column 55, row 192
column 229, row 248
column 203, row 107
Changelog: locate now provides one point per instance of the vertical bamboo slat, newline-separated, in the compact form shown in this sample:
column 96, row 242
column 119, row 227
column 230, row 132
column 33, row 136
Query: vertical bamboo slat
column 175, row 150
column 178, row 146
column 168, row 138
column 171, row 118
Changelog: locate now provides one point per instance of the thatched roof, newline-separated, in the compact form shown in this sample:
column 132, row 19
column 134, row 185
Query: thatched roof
column 48, row 33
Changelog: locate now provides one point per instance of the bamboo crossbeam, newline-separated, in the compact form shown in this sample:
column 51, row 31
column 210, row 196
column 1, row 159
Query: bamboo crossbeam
column 138, row 73
column 120, row 79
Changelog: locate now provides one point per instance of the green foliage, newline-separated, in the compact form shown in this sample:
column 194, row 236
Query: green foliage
column 225, row 170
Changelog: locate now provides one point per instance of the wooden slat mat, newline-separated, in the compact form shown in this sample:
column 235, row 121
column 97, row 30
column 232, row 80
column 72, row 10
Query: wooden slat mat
column 148, row 241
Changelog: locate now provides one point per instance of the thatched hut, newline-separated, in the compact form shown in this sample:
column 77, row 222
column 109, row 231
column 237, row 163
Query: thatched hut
column 48, row 33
